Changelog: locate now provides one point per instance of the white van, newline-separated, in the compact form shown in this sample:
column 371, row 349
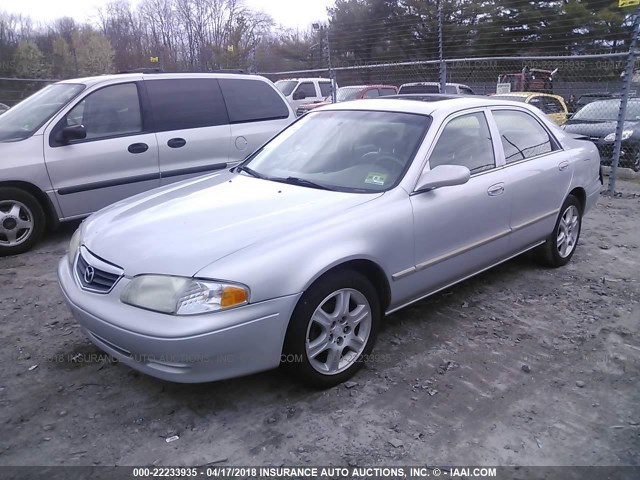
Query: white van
column 79, row 145
column 299, row 91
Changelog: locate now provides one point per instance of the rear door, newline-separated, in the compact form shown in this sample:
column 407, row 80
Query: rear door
column 191, row 124
column 538, row 173
column 117, row 159
column 256, row 113
column 461, row 229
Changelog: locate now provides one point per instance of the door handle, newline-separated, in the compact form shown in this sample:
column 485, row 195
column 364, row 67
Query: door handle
column 495, row 190
column 176, row 143
column 138, row 148
column 562, row 166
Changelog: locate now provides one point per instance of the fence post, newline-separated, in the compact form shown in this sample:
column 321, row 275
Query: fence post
column 443, row 65
column 332, row 76
column 626, row 90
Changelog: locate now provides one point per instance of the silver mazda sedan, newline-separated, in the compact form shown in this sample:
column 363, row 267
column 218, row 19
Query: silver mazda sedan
column 295, row 256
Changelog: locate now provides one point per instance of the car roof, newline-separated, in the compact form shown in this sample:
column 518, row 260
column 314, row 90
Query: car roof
column 124, row 77
column 414, row 84
column 368, row 86
column 527, row 94
column 445, row 106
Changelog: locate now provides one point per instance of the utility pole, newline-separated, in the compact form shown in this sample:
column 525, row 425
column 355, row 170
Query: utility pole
column 324, row 32
column 626, row 91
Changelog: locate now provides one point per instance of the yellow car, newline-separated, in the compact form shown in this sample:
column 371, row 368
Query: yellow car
column 552, row 105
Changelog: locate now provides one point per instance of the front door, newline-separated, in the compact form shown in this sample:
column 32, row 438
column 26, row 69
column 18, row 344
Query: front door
column 462, row 229
column 117, row 159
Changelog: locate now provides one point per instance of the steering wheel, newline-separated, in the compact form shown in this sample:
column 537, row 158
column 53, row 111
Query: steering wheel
column 384, row 160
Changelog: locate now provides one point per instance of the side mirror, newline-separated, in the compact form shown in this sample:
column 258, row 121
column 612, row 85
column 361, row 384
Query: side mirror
column 74, row 132
column 443, row 176
column 299, row 96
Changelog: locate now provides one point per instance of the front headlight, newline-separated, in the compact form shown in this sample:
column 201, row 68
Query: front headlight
column 183, row 296
column 74, row 244
column 612, row 136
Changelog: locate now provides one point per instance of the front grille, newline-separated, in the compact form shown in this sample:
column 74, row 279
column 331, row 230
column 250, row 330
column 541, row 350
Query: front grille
column 93, row 278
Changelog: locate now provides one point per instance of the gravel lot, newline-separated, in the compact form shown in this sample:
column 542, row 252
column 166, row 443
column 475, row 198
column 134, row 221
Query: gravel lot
column 521, row 365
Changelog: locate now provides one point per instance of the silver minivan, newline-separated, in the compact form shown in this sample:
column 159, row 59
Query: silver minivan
column 79, row 145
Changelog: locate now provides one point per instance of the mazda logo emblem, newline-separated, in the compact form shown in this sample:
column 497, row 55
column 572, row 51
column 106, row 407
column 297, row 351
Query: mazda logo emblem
column 89, row 273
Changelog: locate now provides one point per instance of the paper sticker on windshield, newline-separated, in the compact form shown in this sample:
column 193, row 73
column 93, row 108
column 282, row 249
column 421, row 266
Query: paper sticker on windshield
column 376, row 178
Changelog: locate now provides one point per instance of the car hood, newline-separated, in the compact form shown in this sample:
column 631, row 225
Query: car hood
column 595, row 128
column 182, row 228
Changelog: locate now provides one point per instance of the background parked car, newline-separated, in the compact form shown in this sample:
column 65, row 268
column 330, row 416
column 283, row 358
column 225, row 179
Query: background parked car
column 553, row 105
column 588, row 98
column 79, row 145
column 304, row 90
column 434, row 87
column 353, row 92
column 3, row 108
column 597, row 121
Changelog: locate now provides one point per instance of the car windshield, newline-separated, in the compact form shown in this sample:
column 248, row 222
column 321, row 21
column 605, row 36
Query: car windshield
column 25, row 118
column 345, row 94
column 608, row 110
column 286, row 86
column 349, row 151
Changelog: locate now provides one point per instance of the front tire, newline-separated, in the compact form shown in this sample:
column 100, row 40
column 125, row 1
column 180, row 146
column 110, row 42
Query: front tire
column 332, row 330
column 22, row 221
column 561, row 244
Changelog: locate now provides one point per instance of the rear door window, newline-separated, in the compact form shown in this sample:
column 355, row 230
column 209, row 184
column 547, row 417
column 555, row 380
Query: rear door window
column 252, row 101
column 522, row 135
column 180, row 104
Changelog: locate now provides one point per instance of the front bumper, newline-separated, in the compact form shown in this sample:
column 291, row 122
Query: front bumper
column 194, row 349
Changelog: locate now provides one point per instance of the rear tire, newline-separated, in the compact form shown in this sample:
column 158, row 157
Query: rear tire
column 332, row 330
column 563, row 241
column 22, row 221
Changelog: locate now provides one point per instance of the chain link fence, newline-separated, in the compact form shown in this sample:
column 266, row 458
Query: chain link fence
column 14, row 90
column 580, row 93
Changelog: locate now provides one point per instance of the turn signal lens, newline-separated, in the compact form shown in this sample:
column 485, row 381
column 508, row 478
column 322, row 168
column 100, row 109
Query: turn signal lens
column 232, row 296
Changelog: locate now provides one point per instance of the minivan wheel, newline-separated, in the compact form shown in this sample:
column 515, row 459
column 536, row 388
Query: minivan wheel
column 561, row 244
column 22, row 221
column 333, row 329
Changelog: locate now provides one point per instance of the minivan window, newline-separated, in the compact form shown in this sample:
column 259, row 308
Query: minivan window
column 25, row 118
column 180, row 104
column 286, row 86
column 110, row 111
column 252, row 101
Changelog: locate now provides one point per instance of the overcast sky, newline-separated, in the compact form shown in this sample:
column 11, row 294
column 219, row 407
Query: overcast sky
column 291, row 13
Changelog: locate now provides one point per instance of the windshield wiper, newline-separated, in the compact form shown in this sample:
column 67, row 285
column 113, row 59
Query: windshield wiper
column 250, row 171
column 302, row 182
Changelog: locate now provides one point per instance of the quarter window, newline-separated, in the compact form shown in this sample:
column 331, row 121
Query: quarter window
column 252, row 101
column 465, row 141
column 108, row 112
column 186, row 103
column 521, row 135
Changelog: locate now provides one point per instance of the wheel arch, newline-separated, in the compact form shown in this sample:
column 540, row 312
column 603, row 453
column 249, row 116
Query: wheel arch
column 581, row 195
column 51, row 217
column 371, row 270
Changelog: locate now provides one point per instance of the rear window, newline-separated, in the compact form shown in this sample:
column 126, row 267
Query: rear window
column 252, row 101
column 180, row 104
column 419, row 89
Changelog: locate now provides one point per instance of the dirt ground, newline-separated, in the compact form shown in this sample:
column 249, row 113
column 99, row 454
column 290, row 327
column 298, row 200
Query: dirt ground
column 519, row 366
